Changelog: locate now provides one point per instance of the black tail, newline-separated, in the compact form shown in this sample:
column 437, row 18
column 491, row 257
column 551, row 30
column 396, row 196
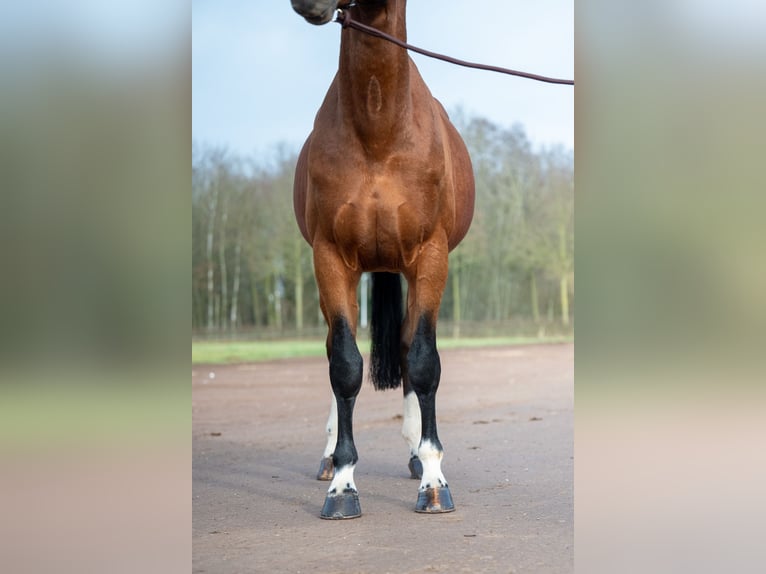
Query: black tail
column 385, row 331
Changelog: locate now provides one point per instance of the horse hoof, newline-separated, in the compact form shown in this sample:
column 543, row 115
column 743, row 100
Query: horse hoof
column 326, row 469
column 435, row 501
column 341, row 506
column 416, row 468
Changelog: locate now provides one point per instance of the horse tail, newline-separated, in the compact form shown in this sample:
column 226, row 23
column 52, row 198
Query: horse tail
column 385, row 331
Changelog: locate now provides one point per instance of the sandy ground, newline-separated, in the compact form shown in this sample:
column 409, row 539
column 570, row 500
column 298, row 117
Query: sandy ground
column 505, row 419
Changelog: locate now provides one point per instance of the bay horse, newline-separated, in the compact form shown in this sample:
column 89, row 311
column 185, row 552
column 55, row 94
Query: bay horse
column 383, row 184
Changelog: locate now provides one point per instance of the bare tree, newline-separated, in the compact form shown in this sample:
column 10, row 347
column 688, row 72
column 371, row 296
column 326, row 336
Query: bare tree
column 235, row 287
column 222, row 255
column 212, row 210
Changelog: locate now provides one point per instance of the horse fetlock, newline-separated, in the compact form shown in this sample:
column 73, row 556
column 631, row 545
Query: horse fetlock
column 343, row 481
column 430, row 455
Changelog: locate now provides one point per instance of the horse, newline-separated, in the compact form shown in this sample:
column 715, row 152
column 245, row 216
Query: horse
column 383, row 184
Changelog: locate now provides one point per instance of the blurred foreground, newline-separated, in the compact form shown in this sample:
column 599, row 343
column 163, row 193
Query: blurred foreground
column 94, row 216
column 671, row 308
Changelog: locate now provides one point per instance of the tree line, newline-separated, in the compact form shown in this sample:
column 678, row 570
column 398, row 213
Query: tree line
column 513, row 274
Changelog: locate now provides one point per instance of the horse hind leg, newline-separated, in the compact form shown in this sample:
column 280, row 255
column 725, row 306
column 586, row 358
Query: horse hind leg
column 326, row 466
column 411, row 426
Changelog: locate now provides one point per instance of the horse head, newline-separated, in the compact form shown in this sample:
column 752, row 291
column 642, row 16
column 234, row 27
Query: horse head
column 322, row 11
column 316, row 11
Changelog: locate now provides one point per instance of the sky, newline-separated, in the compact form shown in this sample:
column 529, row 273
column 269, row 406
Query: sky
column 260, row 71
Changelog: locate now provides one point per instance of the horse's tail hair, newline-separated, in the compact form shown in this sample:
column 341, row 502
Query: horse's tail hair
column 385, row 331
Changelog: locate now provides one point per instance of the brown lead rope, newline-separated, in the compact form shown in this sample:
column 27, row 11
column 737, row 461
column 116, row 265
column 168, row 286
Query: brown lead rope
column 344, row 19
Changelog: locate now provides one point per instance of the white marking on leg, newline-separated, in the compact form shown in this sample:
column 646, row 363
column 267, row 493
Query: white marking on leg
column 331, row 429
column 343, row 480
column 431, row 458
column 411, row 426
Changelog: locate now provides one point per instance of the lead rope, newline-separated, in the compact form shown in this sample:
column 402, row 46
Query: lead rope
column 343, row 17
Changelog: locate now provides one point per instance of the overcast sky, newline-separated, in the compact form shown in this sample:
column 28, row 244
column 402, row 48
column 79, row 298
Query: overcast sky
column 260, row 71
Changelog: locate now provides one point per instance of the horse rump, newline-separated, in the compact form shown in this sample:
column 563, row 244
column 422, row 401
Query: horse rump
column 385, row 331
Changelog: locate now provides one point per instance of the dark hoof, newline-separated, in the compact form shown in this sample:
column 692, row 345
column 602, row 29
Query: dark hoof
column 326, row 469
column 341, row 506
column 435, row 501
column 416, row 468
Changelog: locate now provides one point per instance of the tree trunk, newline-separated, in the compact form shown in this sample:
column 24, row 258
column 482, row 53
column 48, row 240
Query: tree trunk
column 222, row 264
column 277, row 294
column 255, row 300
column 497, row 311
column 213, row 207
column 535, row 299
column 550, row 311
column 235, row 287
